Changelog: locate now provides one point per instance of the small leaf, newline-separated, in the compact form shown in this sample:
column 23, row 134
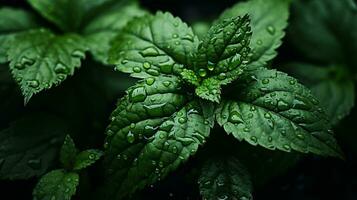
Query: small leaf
column 225, row 178
column 30, row 146
column 68, row 152
column 154, row 129
column 152, row 45
column 268, row 21
column 222, row 56
column 102, row 29
column 13, row 21
column 271, row 109
column 56, row 185
column 332, row 85
column 86, row 158
column 41, row 59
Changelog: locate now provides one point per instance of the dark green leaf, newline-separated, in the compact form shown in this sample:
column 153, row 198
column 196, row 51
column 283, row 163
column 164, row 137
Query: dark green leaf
column 56, row 185
column 68, row 152
column 271, row 109
column 39, row 59
column 30, row 146
column 153, row 45
column 222, row 56
column 87, row 158
column 268, row 21
column 225, row 178
column 325, row 30
column 154, row 129
column 13, row 21
column 331, row 85
column 101, row 30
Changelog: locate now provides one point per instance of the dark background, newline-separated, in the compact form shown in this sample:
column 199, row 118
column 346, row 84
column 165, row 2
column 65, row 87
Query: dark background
column 313, row 178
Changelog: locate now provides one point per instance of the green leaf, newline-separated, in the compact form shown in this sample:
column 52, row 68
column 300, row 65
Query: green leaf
column 13, row 21
column 271, row 109
column 225, row 178
column 68, row 15
column 223, row 55
column 39, row 59
column 154, row 129
column 332, row 85
column 268, row 21
column 30, row 146
column 327, row 25
column 86, row 158
column 68, row 152
column 200, row 28
column 152, row 45
column 57, row 184
column 102, row 29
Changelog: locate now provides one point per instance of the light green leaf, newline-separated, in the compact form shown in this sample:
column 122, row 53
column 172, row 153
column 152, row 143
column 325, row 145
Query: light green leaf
column 86, row 158
column 271, row 109
column 200, row 28
column 225, row 178
column 325, row 30
column 153, row 45
column 30, row 146
column 39, row 59
column 268, row 21
column 154, row 129
column 332, row 85
column 68, row 15
column 13, row 21
column 102, row 29
column 68, row 152
column 222, row 56
column 56, row 185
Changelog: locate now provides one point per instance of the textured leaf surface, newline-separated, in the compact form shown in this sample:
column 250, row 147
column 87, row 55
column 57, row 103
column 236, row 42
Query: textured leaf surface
column 68, row 152
column 222, row 55
column 327, row 25
column 331, row 85
column 271, row 109
column 154, row 129
column 57, row 184
column 153, row 45
column 13, row 21
column 225, row 178
column 268, row 21
column 39, row 59
column 102, row 29
column 86, row 158
column 30, row 146
column 67, row 14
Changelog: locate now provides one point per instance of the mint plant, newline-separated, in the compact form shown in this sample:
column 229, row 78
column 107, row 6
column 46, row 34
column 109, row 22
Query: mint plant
column 187, row 85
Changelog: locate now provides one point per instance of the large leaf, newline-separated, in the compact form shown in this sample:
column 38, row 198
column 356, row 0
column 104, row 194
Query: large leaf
column 268, row 21
column 222, row 56
column 102, row 29
column 39, row 59
column 154, row 129
column 225, row 178
column 153, row 45
column 332, row 85
column 30, row 146
column 56, row 185
column 12, row 21
column 271, row 109
column 325, row 30
column 67, row 14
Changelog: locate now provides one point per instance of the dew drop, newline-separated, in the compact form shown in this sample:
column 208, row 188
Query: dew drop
column 166, row 83
column 153, row 72
column 254, row 139
column 182, row 120
column 150, row 51
column 292, row 82
column 175, row 35
column 267, row 115
column 259, row 42
column 130, row 137
column 27, row 61
column 265, row 81
column 174, row 149
column 287, row 147
column 202, row 72
column 138, row 94
column 33, row 83
column 235, row 117
column 78, row 54
column 91, row 156
column 300, row 136
column 222, row 76
column 60, row 68
column 246, row 129
column 282, row 105
column 124, row 62
column 271, row 30
column 137, row 69
column 210, row 67
column 147, row 65
column 150, row 81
